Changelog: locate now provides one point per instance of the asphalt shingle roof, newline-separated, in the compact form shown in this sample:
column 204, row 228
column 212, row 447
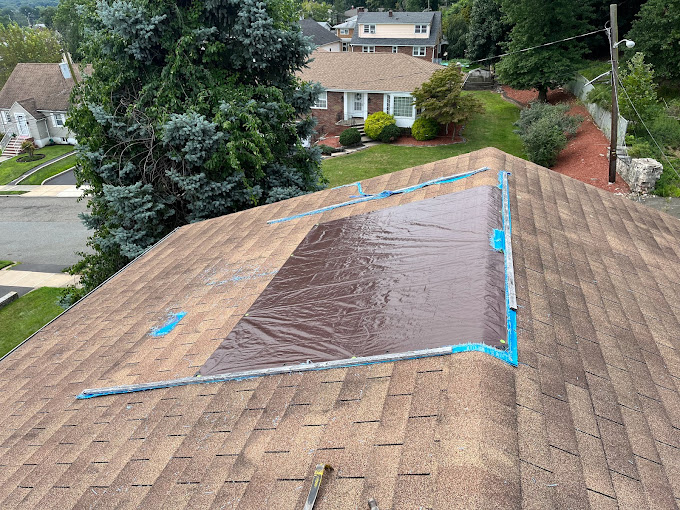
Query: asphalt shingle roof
column 435, row 29
column 368, row 71
column 319, row 34
column 589, row 419
column 42, row 83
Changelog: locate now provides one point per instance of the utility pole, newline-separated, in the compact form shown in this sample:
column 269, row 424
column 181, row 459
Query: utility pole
column 613, row 38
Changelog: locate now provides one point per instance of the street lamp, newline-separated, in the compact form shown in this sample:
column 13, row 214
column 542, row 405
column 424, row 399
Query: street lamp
column 613, row 36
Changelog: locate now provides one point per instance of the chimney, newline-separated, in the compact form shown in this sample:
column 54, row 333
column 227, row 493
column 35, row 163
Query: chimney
column 390, row 13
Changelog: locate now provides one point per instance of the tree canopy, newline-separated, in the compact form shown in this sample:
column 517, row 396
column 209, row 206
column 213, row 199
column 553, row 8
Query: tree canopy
column 486, row 29
column 192, row 111
column 534, row 23
column 656, row 33
column 442, row 100
column 23, row 44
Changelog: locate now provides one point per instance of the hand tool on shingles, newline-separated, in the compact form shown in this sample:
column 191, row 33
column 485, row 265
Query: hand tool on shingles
column 372, row 505
column 316, row 483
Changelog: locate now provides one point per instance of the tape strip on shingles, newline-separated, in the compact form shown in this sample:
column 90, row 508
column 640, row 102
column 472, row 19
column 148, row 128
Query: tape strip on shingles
column 383, row 194
column 169, row 325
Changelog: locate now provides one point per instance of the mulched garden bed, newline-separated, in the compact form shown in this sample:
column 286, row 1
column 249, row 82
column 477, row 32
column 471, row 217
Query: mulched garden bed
column 585, row 156
column 28, row 159
column 333, row 141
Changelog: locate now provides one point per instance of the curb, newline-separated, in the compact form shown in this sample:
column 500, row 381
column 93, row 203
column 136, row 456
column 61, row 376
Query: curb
column 8, row 298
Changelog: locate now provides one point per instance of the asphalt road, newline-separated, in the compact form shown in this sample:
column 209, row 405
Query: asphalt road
column 65, row 178
column 41, row 230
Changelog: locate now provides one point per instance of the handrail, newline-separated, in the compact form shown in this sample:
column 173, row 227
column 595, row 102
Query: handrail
column 5, row 140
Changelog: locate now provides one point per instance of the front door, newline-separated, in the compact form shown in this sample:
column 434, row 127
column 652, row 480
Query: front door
column 357, row 105
column 22, row 124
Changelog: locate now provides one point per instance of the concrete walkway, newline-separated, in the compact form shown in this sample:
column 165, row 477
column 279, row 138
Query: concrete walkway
column 47, row 190
column 22, row 282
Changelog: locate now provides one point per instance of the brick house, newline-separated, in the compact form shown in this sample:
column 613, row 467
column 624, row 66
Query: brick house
column 358, row 85
column 345, row 31
column 418, row 34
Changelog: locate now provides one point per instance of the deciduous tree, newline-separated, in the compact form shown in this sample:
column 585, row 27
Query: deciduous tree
column 486, row 29
column 442, row 100
column 192, row 111
column 23, row 44
column 656, row 33
column 535, row 23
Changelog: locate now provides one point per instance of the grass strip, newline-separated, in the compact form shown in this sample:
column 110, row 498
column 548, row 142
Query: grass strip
column 13, row 192
column 11, row 169
column 23, row 317
column 493, row 128
column 50, row 170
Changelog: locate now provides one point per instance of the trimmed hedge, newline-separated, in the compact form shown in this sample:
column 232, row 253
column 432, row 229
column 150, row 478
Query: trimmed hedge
column 350, row 137
column 376, row 122
column 424, row 129
column 389, row 133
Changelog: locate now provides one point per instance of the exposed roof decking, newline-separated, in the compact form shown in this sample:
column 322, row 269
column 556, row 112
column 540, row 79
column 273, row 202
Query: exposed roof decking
column 590, row 414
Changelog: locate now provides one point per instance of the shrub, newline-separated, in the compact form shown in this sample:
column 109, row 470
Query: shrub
column 639, row 148
column 376, row 122
column 389, row 133
column 326, row 150
column 424, row 129
column 350, row 137
column 544, row 129
column 666, row 131
column 28, row 147
column 601, row 95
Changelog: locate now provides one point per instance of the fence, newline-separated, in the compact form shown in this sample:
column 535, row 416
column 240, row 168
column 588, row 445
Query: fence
column 580, row 87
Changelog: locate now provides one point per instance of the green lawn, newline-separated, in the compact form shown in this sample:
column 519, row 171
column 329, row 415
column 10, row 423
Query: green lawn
column 11, row 169
column 50, row 171
column 493, row 128
column 26, row 315
column 13, row 192
column 5, row 263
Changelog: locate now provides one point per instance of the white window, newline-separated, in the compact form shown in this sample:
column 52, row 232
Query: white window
column 419, row 51
column 421, row 29
column 369, row 29
column 345, row 46
column 321, row 101
column 368, row 49
column 403, row 106
column 344, row 31
column 395, row 49
column 59, row 119
column 6, row 118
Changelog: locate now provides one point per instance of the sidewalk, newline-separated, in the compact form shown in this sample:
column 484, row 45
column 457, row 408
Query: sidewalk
column 22, row 282
column 47, row 190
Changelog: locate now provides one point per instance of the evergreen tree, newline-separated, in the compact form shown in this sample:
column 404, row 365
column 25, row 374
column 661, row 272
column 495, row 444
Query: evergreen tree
column 441, row 98
column 192, row 111
column 656, row 33
column 536, row 22
column 455, row 22
column 485, row 30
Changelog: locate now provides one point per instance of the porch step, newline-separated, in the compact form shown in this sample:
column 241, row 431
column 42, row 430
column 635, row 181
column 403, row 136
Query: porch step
column 14, row 146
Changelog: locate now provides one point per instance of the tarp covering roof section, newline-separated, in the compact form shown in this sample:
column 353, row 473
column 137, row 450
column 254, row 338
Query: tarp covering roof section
column 417, row 276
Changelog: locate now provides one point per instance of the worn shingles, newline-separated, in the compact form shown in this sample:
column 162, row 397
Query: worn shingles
column 590, row 417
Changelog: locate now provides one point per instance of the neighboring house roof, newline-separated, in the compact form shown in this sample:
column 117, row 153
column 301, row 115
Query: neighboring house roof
column 374, row 17
column 589, row 418
column 320, row 35
column 350, row 23
column 368, row 71
column 30, row 107
column 43, row 83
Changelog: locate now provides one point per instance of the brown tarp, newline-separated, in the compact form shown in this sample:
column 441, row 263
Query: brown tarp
column 416, row 276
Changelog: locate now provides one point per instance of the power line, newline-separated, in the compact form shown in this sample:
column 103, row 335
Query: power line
column 539, row 46
column 648, row 131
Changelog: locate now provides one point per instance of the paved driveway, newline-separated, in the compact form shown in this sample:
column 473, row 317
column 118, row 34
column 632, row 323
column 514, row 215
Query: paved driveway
column 40, row 230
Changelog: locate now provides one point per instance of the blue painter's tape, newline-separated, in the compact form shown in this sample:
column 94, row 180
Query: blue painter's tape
column 498, row 240
column 173, row 320
column 365, row 197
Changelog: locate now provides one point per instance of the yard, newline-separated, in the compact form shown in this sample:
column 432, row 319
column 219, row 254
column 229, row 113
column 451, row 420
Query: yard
column 11, row 169
column 23, row 317
column 493, row 128
column 50, row 170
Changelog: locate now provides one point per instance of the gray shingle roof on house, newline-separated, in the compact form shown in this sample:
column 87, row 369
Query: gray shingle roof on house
column 43, row 83
column 29, row 106
column 435, row 30
column 319, row 34
column 396, row 18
